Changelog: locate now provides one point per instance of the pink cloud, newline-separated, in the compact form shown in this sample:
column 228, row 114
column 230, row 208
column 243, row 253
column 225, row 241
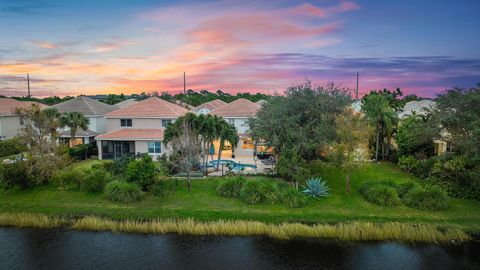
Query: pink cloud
column 44, row 44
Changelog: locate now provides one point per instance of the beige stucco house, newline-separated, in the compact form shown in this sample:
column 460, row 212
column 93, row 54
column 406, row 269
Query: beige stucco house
column 138, row 128
column 10, row 124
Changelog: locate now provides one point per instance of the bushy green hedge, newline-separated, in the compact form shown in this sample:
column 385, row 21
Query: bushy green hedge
column 11, row 147
column 121, row 191
column 68, row 179
column 293, row 198
column 15, row 174
column 430, row 198
column 94, row 180
column 259, row 192
column 141, row 172
column 231, row 186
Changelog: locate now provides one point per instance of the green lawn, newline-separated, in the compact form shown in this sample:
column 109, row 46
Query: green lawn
column 203, row 204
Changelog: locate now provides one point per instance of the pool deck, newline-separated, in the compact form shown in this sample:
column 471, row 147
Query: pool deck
column 261, row 168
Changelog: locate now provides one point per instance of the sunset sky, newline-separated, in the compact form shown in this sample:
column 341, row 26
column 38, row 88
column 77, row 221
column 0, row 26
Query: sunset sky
column 119, row 46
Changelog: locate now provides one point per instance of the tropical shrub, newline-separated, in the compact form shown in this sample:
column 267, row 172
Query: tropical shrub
column 68, row 179
column 119, row 166
column 82, row 151
column 121, row 191
column 409, row 164
column 141, row 172
column 231, row 186
column 293, row 198
column 316, row 188
column 15, row 174
column 11, row 147
column 94, row 179
column 382, row 193
column 258, row 191
column 430, row 198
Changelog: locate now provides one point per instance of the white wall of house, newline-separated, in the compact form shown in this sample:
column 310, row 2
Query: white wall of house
column 114, row 123
column 240, row 124
column 9, row 127
column 97, row 124
column 141, row 146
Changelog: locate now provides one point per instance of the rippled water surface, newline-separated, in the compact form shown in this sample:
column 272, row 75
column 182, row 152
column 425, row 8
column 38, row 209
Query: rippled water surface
column 66, row 249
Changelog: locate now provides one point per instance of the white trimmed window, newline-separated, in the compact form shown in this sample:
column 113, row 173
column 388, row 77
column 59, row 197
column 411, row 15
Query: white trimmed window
column 154, row 147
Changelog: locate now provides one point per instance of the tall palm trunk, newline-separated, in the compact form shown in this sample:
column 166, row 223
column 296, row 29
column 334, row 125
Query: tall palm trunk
column 189, row 183
column 72, row 136
column 377, row 144
column 222, row 142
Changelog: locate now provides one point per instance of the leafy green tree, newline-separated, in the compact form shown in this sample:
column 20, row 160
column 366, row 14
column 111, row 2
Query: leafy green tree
column 303, row 119
column 141, row 172
column 383, row 118
column 184, row 137
column 75, row 121
column 458, row 112
column 350, row 148
column 292, row 167
column 415, row 136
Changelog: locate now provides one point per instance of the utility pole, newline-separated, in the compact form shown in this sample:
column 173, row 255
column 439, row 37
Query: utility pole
column 184, row 84
column 356, row 90
column 28, row 84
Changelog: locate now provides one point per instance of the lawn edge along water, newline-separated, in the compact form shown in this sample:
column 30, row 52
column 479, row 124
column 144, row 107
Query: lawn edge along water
column 347, row 231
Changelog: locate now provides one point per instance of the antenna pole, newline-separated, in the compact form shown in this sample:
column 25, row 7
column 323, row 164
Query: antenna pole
column 28, row 84
column 184, row 84
column 356, row 90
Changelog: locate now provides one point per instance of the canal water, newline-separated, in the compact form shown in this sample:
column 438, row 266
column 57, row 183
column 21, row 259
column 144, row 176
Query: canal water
column 67, row 249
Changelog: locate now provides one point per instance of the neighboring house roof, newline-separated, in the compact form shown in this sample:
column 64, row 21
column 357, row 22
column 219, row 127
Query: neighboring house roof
column 79, row 133
column 211, row 105
column 126, row 103
column 132, row 134
column 238, row 108
column 84, row 105
column 153, row 107
column 261, row 102
column 420, row 107
column 8, row 105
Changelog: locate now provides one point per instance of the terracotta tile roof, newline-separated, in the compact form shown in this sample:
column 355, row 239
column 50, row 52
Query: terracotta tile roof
column 238, row 108
column 133, row 134
column 79, row 133
column 211, row 105
column 85, row 105
column 8, row 105
column 153, row 107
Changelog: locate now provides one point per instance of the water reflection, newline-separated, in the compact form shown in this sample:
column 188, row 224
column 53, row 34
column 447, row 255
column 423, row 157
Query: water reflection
column 65, row 249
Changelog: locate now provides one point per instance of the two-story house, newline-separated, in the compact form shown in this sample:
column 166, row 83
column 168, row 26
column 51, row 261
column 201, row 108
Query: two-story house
column 11, row 124
column 138, row 128
column 93, row 110
column 208, row 107
column 237, row 113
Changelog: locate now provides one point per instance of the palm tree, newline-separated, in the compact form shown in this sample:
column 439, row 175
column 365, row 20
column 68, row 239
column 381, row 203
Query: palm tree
column 227, row 133
column 51, row 116
column 382, row 117
column 74, row 120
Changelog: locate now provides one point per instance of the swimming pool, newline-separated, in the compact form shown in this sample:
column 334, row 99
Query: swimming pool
column 234, row 165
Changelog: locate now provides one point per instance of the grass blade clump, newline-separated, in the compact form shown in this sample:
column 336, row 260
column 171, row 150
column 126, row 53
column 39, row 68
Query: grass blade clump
column 31, row 220
column 352, row 231
column 293, row 198
column 382, row 193
column 120, row 191
column 259, row 191
column 430, row 198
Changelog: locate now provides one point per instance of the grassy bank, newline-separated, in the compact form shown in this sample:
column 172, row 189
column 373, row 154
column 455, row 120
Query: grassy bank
column 352, row 231
column 203, row 204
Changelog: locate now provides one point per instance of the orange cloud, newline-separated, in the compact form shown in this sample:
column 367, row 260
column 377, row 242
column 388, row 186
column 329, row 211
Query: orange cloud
column 45, row 44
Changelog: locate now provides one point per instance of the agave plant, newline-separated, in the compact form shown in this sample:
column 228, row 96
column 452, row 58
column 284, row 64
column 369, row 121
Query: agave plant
column 316, row 188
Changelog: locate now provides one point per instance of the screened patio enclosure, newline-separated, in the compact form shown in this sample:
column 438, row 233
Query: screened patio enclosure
column 117, row 149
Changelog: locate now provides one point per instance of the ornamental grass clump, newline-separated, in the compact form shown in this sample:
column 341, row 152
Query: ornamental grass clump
column 383, row 193
column 293, row 198
column 430, row 198
column 259, row 192
column 231, row 186
column 120, row 191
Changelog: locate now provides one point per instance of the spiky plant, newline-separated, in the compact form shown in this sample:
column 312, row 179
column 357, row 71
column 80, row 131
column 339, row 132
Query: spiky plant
column 316, row 188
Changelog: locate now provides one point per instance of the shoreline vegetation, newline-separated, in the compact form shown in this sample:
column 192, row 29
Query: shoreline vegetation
column 348, row 231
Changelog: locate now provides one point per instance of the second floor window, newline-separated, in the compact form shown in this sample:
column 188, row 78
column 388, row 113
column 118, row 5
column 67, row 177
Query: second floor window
column 166, row 122
column 126, row 122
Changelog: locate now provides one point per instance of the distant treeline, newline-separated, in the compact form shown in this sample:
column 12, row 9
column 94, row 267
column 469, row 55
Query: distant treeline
column 192, row 98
